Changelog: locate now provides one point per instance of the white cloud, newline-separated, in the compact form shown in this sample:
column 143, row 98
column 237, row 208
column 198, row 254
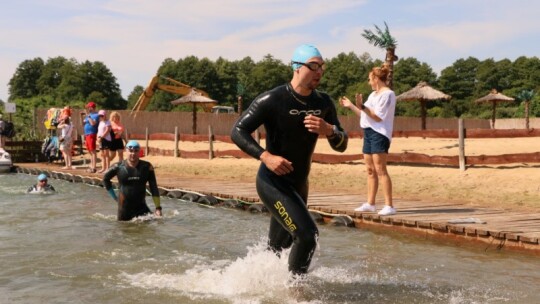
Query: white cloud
column 133, row 37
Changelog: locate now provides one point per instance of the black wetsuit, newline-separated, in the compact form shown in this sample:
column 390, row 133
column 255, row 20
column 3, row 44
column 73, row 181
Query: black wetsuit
column 47, row 188
column 132, row 181
column 282, row 113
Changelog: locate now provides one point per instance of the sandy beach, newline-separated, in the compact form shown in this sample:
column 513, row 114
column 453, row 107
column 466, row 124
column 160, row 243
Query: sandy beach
column 512, row 186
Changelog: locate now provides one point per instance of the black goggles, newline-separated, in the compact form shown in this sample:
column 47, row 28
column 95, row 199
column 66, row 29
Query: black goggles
column 313, row 66
column 133, row 149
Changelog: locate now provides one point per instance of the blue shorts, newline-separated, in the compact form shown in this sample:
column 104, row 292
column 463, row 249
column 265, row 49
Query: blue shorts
column 375, row 143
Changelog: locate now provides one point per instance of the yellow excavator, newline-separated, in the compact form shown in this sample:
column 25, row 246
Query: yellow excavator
column 173, row 86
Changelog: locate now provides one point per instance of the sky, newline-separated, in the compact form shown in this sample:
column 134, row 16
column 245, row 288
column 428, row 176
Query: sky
column 133, row 37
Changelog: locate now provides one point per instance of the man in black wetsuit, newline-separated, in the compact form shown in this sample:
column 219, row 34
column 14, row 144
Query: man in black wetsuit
column 133, row 174
column 294, row 115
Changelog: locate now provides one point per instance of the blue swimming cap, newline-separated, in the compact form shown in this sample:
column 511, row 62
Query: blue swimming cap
column 41, row 177
column 133, row 144
column 303, row 53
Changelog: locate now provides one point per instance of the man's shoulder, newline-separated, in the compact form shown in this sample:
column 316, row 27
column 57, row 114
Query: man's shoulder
column 322, row 95
column 273, row 92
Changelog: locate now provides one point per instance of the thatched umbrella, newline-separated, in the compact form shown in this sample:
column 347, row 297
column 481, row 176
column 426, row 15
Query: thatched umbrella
column 494, row 97
column 196, row 98
column 423, row 93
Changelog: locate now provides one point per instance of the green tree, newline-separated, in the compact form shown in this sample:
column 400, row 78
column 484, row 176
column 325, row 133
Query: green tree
column 343, row 71
column 134, row 96
column 267, row 74
column 458, row 80
column 69, row 90
column 227, row 73
column 96, row 77
column 408, row 72
column 51, row 76
column 23, row 84
column 526, row 96
column 244, row 68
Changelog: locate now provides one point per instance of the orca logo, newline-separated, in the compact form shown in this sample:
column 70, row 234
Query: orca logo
column 305, row 112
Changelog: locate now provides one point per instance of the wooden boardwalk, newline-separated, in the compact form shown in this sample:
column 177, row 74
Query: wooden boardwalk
column 491, row 228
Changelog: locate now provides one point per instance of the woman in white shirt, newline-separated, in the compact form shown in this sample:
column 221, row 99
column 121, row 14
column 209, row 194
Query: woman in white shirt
column 104, row 140
column 66, row 140
column 377, row 122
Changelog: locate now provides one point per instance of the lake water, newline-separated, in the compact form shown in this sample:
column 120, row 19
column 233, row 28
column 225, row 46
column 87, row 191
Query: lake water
column 69, row 248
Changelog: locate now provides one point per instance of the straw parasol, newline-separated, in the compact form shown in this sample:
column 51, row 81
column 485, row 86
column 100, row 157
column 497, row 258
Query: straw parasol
column 494, row 97
column 423, row 93
column 195, row 98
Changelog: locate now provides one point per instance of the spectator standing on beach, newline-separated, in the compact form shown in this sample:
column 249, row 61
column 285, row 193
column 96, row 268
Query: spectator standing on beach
column 66, row 140
column 104, row 139
column 132, row 174
column 377, row 121
column 294, row 115
column 90, row 122
column 117, row 144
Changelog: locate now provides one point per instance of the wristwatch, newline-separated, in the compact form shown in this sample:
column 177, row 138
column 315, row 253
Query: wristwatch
column 335, row 131
column 362, row 106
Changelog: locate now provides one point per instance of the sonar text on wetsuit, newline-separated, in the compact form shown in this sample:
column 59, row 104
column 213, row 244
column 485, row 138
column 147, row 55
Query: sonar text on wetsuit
column 282, row 112
column 132, row 192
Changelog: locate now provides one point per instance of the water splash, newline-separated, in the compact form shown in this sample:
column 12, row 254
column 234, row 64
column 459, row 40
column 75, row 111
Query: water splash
column 259, row 276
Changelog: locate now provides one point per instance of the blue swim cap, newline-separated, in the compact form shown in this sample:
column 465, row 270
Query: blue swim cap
column 41, row 177
column 133, row 144
column 303, row 53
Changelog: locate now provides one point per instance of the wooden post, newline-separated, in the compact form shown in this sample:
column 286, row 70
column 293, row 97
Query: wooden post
column 194, row 119
column 147, row 139
column 83, row 144
column 176, row 152
column 461, row 135
column 211, row 142
column 34, row 121
column 240, row 105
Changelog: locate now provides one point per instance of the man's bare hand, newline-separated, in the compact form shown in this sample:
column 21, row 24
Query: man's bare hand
column 317, row 125
column 276, row 163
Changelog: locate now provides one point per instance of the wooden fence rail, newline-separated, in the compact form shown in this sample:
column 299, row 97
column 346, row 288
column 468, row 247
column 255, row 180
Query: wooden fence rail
column 460, row 160
column 27, row 151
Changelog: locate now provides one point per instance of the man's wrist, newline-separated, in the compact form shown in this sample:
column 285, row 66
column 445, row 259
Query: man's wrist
column 335, row 130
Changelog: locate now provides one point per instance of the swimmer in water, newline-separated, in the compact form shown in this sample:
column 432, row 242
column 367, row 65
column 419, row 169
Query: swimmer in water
column 133, row 174
column 42, row 185
column 294, row 115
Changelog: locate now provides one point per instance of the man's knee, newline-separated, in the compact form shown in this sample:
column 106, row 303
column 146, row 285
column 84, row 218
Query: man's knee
column 308, row 238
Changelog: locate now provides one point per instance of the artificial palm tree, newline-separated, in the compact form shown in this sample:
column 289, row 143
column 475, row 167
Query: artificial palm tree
column 526, row 96
column 384, row 40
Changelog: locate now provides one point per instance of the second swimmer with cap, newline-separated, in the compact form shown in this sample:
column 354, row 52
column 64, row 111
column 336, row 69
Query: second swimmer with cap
column 133, row 174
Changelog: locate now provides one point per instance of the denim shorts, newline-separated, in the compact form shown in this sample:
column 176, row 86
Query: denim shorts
column 375, row 143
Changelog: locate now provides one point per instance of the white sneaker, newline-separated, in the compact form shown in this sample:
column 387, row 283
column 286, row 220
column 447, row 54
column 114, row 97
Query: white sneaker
column 366, row 207
column 387, row 210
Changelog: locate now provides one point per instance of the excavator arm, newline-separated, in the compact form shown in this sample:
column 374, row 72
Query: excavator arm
column 174, row 86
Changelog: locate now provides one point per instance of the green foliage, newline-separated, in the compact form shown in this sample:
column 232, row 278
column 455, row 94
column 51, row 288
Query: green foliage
column 23, row 83
column 60, row 81
column 344, row 73
column 134, row 96
column 67, row 82
column 381, row 38
column 408, row 72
